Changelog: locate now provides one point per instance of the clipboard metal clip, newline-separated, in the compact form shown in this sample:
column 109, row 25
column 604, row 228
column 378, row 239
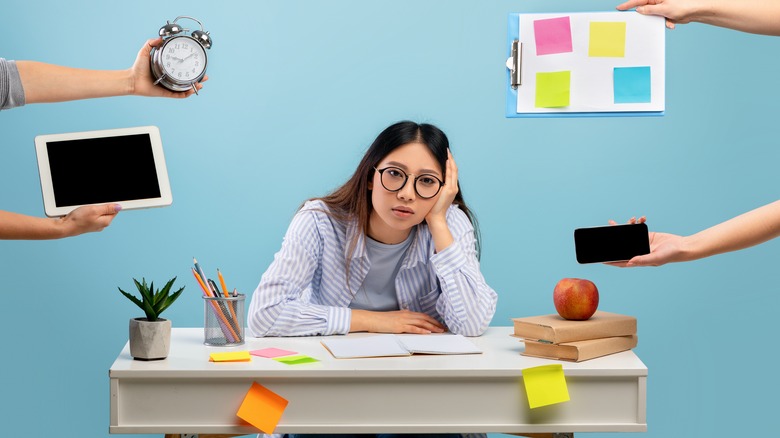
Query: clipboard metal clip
column 515, row 64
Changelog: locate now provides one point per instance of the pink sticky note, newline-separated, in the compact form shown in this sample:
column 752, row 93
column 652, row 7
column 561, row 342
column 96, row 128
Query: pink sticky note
column 553, row 35
column 271, row 352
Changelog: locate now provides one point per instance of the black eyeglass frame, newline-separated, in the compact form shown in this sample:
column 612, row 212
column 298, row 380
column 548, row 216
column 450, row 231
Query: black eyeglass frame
column 406, row 180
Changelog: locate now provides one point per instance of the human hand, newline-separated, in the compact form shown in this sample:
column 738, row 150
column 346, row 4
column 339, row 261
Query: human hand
column 448, row 192
column 89, row 218
column 664, row 248
column 142, row 80
column 675, row 11
column 399, row 321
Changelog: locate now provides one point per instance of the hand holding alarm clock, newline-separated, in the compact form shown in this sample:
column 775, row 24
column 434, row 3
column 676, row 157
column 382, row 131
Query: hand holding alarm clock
column 181, row 61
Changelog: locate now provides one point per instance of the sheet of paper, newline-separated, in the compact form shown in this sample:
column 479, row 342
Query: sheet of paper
column 445, row 343
column 545, row 385
column 262, row 408
column 601, row 42
column 364, row 346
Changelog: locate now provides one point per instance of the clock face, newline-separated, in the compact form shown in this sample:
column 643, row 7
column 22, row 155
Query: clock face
column 183, row 59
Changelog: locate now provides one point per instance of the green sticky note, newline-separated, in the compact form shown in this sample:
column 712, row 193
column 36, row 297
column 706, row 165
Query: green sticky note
column 607, row 39
column 545, row 385
column 553, row 89
column 296, row 360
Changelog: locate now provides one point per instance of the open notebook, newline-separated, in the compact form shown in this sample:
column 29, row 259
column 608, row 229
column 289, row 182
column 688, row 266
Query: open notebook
column 383, row 345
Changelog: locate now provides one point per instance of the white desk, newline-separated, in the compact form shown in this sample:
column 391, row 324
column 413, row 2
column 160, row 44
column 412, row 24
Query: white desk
column 186, row 393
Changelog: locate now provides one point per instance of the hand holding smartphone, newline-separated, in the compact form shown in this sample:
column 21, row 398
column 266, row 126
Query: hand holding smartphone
column 612, row 243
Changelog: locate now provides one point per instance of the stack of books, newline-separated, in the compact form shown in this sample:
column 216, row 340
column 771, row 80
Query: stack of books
column 552, row 337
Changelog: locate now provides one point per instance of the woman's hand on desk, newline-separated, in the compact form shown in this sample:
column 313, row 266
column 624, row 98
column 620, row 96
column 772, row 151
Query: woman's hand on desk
column 399, row 321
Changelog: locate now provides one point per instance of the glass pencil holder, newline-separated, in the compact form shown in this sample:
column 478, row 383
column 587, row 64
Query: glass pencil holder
column 223, row 324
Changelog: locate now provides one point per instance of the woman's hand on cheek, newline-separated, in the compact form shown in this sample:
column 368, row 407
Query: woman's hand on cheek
column 447, row 194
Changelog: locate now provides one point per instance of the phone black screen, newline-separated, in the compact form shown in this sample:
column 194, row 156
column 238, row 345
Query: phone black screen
column 612, row 243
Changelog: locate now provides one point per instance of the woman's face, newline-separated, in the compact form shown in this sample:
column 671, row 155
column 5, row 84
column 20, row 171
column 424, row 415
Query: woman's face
column 395, row 213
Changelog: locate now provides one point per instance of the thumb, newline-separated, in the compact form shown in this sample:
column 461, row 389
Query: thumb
column 112, row 209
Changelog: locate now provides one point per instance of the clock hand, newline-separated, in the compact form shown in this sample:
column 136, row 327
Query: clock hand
column 186, row 57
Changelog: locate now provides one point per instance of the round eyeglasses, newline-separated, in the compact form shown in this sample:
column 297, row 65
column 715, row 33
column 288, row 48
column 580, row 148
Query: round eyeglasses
column 394, row 179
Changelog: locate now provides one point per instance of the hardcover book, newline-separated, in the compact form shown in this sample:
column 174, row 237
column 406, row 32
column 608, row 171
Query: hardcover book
column 578, row 351
column 554, row 329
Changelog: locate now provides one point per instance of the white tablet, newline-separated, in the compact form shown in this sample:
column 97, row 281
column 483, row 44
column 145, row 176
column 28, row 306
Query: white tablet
column 124, row 166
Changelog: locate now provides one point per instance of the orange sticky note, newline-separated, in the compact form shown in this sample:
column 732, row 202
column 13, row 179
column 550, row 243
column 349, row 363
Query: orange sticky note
column 262, row 408
column 231, row 356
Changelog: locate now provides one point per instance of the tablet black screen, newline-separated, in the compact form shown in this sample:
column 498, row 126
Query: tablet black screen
column 100, row 170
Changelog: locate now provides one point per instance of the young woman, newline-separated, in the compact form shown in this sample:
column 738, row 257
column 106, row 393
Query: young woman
column 393, row 250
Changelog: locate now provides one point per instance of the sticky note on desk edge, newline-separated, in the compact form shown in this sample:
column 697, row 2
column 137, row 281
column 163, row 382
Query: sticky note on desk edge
column 230, row 356
column 262, row 408
column 545, row 385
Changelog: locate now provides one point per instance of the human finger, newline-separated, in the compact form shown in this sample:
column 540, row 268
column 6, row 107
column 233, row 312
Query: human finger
column 631, row 4
column 423, row 320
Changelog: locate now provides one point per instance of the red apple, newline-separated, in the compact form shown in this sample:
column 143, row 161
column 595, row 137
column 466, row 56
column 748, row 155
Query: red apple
column 576, row 298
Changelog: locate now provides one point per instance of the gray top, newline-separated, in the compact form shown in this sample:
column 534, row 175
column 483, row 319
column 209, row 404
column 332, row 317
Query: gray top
column 378, row 289
column 11, row 91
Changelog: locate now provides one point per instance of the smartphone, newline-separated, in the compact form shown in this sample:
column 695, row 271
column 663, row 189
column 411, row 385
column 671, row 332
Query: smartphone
column 613, row 243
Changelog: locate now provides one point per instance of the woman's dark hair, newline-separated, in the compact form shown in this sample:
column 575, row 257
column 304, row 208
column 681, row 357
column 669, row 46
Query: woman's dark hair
column 352, row 201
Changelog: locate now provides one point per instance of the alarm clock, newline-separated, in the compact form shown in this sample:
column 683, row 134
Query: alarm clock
column 180, row 62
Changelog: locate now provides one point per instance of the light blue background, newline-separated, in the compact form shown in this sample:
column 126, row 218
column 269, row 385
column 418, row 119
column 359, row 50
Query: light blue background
column 298, row 90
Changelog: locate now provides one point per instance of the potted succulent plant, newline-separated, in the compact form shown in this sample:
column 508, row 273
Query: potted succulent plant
column 150, row 337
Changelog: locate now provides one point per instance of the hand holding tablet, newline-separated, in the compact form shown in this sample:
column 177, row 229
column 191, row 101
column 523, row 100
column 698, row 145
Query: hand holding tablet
column 130, row 162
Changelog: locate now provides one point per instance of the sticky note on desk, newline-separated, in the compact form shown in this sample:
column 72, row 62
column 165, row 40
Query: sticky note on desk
column 271, row 352
column 262, row 408
column 231, row 356
column 296, row 360
column 545, row 385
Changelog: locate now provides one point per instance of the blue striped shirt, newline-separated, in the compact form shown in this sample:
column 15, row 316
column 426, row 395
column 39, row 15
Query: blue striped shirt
column 305, row 292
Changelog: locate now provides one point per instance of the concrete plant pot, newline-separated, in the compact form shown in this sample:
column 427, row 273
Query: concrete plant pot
column 150, row 340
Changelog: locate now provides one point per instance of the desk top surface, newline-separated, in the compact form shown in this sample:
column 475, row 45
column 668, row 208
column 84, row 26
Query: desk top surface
column 189, row 358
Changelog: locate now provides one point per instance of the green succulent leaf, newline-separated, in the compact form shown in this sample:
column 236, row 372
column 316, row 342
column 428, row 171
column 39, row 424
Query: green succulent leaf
column 153, row 302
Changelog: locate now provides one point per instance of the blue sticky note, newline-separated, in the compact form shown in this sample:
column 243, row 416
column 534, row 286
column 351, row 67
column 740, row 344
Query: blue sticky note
column 632, row 84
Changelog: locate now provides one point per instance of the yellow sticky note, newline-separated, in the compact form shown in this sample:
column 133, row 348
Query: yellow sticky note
column 553, row 89
column 262, row 408
column 231, row 356
column 545, row 385
column 607, row 39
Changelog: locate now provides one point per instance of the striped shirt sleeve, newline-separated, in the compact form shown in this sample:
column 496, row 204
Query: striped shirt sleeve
column 284, row 303
column 466, row 303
